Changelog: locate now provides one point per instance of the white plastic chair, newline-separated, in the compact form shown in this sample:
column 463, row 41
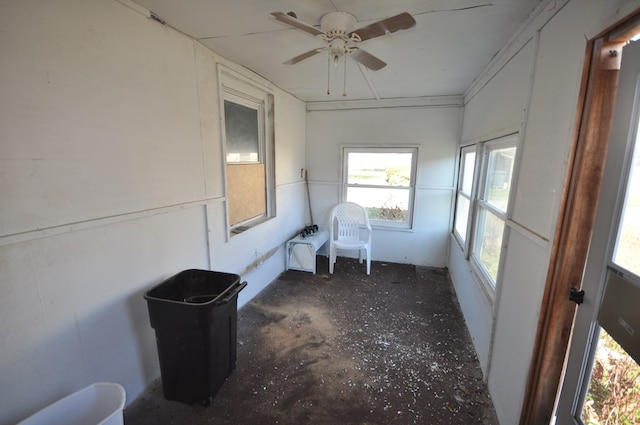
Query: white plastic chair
column 348, row 225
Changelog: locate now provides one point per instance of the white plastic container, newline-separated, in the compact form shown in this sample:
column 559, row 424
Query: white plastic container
column 98, row 404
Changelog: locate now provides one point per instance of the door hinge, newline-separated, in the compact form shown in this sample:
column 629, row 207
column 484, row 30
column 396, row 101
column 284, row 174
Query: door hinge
column 576, row 296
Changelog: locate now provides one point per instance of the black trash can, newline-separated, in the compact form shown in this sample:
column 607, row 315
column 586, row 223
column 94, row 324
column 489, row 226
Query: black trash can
column 194, row 314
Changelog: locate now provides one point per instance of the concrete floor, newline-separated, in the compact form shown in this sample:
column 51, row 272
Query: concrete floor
column 347, row 348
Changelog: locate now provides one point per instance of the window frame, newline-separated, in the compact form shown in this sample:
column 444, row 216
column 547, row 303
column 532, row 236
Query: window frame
column 376, row 223
column 235, row 88
column 249, row 102
column 480, row 204
column 465, row 240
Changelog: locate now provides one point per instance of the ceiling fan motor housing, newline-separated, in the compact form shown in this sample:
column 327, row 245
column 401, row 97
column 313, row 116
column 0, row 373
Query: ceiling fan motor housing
column 338, row 24
column 338, row 29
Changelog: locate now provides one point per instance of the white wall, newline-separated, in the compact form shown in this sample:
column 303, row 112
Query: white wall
column 434, row 129
column 501, row 102
column 111, row 178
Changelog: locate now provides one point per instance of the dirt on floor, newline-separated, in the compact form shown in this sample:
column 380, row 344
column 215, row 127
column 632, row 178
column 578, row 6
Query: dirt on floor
column 347, row 348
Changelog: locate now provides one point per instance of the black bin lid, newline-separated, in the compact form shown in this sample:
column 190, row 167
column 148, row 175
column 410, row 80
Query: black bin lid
column 193, row 286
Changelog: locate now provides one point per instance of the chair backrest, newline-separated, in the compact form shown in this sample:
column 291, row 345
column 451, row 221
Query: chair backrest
column 347, row 219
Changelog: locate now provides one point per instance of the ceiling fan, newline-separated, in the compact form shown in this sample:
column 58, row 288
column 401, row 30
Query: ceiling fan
column 338, row 30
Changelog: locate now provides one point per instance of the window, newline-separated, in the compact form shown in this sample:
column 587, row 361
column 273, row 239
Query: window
column 487, row 207
column 247, row 124
column 628, row 239
column 382, row 180
column 242, row 128
column 463, row 197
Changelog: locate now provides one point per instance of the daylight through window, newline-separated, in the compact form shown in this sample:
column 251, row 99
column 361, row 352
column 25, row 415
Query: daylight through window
column 249, row 172
column 497, row 164
column 482, row 201
column 465, row 187
column 382, row 180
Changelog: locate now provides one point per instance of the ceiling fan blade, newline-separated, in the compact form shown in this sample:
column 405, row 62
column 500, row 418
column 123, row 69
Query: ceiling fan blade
column 390, row 25
column 296, row 23
column 368, row 60
column 303, row 56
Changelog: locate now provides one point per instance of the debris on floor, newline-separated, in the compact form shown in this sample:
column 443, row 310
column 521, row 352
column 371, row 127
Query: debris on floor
column 347, row 348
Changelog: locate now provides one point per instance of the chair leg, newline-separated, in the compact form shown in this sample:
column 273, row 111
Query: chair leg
column 332, row 258
column 368, row 262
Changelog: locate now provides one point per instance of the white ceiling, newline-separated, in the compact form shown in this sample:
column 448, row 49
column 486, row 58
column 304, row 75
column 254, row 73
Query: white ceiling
column 452, row 42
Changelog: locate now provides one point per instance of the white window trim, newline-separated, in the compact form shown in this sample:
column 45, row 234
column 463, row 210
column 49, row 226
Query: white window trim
column 465, row 244
column 237, row 88
column 485, row 280
column 232, row 95
column 384, row 224
column 489, row 285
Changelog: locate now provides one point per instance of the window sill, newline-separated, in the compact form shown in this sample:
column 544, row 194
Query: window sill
column 248, row 226
column 392, row 228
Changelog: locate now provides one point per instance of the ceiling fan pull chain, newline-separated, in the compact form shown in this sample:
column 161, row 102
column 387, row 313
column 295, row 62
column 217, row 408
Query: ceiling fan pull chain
column 329, row 73
column 344, row 90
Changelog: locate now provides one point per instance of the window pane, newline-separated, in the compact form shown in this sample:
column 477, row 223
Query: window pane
column 462, row 217
column 468, row 166
column 499, row 172
column 241, row 126
column 380, row 169
column 489, row 241
column 381, row 204
column 627, row 252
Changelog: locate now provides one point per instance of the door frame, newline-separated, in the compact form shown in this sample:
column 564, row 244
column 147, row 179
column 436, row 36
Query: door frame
column 576, row 219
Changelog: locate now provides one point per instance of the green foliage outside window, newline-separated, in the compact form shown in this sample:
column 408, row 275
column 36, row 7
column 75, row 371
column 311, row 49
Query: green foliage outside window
column 614, row 390
column 386, row 212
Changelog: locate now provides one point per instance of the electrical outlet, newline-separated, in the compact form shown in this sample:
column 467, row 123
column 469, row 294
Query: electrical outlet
column 302, row 171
